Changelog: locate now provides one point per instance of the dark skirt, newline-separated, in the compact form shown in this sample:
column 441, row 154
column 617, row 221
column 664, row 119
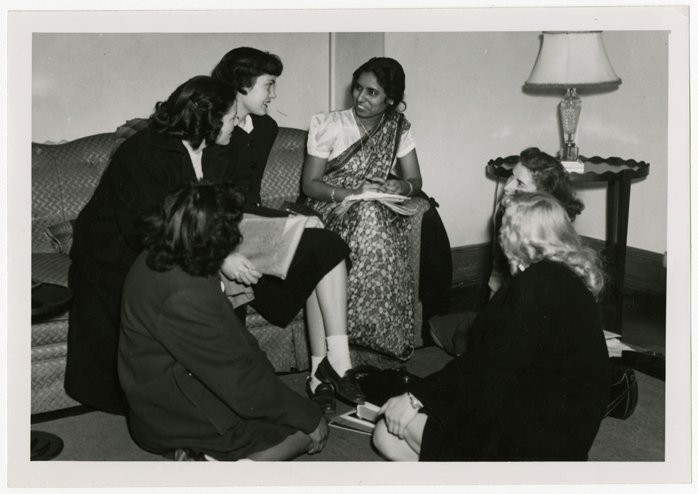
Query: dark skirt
column 91, row 376
column 319, row 251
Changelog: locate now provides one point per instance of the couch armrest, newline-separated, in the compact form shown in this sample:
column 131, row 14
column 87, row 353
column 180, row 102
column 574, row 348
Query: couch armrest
column 415, row 240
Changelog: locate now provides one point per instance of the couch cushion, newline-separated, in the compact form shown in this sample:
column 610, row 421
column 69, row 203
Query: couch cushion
column 61, row 236
column 64, row 177
column 47, row 386
column 282, row 176
column 50, row 268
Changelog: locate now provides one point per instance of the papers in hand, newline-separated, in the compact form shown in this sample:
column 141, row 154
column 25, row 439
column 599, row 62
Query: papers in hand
column 391, row 201
column 270, row 243
column 362, row 419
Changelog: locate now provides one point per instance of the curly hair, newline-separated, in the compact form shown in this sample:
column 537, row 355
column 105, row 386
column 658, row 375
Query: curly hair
column 551, row 177
column 194, row 111
column 391, row 77
column 241, row 66
column 536, row 227
column 196, row 228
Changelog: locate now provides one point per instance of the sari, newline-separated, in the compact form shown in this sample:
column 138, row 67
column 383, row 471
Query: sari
column 380, row 305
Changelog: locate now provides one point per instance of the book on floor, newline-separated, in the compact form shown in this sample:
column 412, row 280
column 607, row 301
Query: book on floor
column 362, row 419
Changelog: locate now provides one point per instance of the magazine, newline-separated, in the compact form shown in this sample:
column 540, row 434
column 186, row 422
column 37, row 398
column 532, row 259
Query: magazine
column 391, row 201
column 270, row 243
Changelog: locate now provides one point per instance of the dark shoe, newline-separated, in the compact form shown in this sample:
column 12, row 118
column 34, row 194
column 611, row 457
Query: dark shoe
column 323, row 396
column 345, row 386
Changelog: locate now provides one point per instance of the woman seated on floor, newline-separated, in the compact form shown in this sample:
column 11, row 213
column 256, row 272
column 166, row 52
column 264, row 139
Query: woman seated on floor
column 536, row 172
column 533, row 383
column 194, row 378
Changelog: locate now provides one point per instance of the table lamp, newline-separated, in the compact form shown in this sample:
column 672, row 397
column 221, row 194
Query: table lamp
column 571, row 60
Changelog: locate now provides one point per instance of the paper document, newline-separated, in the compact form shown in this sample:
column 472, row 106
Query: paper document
column 270, row 243
column 391, row 201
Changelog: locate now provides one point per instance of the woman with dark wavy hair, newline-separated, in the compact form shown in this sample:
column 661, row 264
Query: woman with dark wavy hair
column 186, row 141
column 195, row 379
column 533, row 383
column 106, row 239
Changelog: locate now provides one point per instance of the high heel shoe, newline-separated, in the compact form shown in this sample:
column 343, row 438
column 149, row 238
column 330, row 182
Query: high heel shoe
column 345, row 386
column 323, row 396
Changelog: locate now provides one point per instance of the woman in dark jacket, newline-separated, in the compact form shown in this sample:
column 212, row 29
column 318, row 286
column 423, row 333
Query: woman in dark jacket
column 533, row 383
column 194, row 378
column 186, row 141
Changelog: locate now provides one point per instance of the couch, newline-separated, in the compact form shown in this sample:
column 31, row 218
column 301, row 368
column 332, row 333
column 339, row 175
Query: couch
column 63, row 179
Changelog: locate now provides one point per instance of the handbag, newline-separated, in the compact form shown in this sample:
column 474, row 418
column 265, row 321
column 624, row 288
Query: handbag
column 379, row 385
column 624, row 392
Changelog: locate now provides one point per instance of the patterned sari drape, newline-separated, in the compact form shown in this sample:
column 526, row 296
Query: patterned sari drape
column 381, row 281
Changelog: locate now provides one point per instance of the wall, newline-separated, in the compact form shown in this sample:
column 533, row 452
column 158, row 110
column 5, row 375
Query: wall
column 350, row 50
column 465, row 100
column 89, row 83
column 464, row 97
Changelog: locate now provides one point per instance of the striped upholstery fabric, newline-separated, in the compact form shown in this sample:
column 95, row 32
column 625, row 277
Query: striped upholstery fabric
column 63, row 179
column 282, row 176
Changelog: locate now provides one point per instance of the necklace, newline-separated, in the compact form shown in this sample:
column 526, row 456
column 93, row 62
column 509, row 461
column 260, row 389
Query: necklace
column 361, row 139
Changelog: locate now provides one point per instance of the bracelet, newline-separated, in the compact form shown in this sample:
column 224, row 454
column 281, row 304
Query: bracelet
column 414, row 402
column 332, row 195
column 411, row 188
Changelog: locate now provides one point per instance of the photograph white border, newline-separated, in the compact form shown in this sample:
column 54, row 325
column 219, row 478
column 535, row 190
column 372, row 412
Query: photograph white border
column 22, row 472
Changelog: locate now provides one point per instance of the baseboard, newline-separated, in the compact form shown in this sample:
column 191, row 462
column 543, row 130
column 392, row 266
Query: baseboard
column 644, row 270
column 471, row 264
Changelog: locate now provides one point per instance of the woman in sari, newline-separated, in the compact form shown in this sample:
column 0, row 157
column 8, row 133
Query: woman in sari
column 369, row 148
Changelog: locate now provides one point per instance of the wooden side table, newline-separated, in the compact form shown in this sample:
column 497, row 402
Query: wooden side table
column 618, row 174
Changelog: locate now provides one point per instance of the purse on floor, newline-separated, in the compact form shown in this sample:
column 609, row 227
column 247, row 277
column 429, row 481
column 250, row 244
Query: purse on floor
column 624, row 392
column 379, row 385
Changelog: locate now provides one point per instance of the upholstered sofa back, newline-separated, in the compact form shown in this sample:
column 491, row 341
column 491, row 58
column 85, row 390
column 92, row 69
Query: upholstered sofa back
column 64, row 177
column 282, row 177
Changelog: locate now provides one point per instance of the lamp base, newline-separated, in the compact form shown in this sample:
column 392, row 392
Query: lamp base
column 569, row 151
column 573, row 166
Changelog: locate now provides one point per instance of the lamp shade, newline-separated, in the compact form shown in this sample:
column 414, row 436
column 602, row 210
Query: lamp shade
column 572, row 59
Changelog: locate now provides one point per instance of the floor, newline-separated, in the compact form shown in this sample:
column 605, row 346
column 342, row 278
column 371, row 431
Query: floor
column 101, row 436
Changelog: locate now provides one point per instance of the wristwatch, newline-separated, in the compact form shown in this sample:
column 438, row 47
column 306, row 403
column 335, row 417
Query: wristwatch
column 416, row 404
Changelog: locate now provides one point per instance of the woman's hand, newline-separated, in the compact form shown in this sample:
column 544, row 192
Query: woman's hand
column 371, row 185
column 396, row 186
column 398, row 412
column 318, row 437
column 237, row 267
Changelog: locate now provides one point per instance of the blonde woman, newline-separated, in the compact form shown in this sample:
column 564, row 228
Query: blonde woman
column 533, row 383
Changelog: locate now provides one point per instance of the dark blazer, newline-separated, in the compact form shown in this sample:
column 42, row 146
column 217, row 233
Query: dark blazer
column 534, row 381
column 249, row 152
column 193, row 376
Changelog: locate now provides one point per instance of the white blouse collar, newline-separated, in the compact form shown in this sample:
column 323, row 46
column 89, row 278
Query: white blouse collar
column 246, row 124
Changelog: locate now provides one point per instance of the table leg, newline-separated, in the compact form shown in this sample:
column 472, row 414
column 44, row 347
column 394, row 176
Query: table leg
column 617, row 215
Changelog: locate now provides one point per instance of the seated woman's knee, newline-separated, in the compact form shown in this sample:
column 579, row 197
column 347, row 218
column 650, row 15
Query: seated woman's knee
column 384, row 441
